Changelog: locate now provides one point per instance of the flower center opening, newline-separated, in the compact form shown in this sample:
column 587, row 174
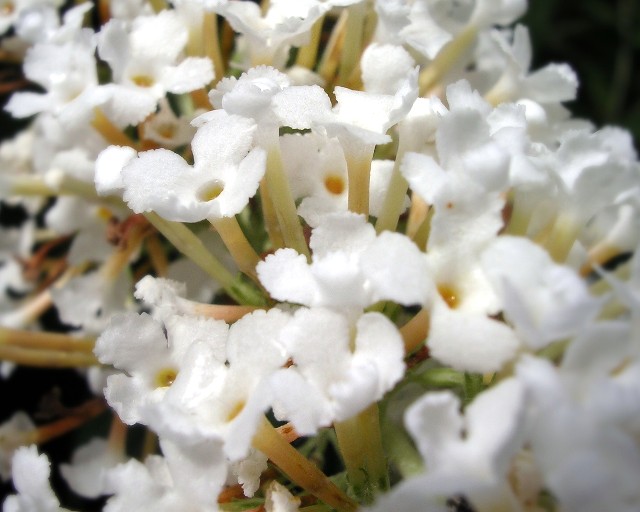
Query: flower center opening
column 235, row 410
column 166, row 130
column 449, row 295
column 334, row 184
column 142, row 80
column 210, row 191
column 166, row 377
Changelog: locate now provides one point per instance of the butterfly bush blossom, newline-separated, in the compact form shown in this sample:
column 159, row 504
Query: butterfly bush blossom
column 326, row 255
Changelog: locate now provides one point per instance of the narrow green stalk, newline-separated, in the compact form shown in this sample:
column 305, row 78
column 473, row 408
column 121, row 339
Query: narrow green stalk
column 33, row 340
column 360, row 442
column 358, row 158
column 332, row 51
column 562, row 237
column 270, row 217
column 192, row 247
column 47, row 358
column 283, row 202
column 307, row 55
column 211, row 42
column 396, row 193
column 421, row 237
column 241, row 250
column 353, row 41
column 443, row 62
column 521, row 213
column 299, row 470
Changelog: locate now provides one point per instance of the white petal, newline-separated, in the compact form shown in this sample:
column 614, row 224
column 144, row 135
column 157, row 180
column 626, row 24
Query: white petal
column 287, row 277
column 469, row 341
column 397, row 270
column 191, row 74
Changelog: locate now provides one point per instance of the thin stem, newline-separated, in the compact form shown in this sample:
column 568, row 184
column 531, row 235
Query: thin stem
column 299, row 470
column 157, row 255
column 448, row 56
column 211, row 43
column 396, row 194
column 283, row 202
column 110, row 132
column 562, row 237
column 235, row 240
column 47, row 358
column 359, row 158
column 415, row 331
column 331, row 55
column 270, row 217
column 192, row 247
column 421, row 235
column 360, row 442
column 307, row 55
column 353, row 39
column 45, row 340
column 222, row 312
column 120, row 258
column 76, row 417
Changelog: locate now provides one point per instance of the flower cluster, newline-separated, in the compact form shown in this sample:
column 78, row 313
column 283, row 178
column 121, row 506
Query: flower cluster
column 363, row 226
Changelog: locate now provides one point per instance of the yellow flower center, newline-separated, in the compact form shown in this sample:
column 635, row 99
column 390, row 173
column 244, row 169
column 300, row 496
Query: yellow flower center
column 334, row 184
column 166, row 377
column 142, row 80
column 210, row 191
column 235, row 410
column 450, row 295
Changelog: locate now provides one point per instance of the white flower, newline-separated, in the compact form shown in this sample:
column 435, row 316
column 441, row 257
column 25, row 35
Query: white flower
column 579, row 424
column 186, row 478
column 88, row 468
column 146, row 61
column 465, row 455
column 337, row 370
column 554, row 83
column 225, row 175
column 67, row 72
column 31, row 479
column 279, row 499
column 219, row 393
column 286, row 23
column 544, row 301
column 153, row 360
column 11, row 10
column 351, row 268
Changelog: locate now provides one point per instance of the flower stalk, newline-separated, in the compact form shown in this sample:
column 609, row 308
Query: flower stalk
column 360, row 443
column 299, row 469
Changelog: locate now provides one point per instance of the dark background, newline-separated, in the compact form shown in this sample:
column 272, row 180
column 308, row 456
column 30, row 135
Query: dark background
column 600, row 39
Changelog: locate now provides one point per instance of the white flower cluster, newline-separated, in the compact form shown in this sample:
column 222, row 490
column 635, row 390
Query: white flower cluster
column 358, row 224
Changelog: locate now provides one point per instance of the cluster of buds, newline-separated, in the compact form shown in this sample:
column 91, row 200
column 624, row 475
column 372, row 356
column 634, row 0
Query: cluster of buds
column 331, row 254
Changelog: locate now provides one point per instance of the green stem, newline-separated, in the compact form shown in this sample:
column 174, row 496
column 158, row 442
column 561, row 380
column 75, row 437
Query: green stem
column 299, row 470
column 307, row 55
column 283, row 202
column 192, row 247
column 234, row 239
column 562, row 237
column 360, row 442
column 358, row 158
column 353, row 41
column 211, row 42
column 396, row 193
column 444, row 61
